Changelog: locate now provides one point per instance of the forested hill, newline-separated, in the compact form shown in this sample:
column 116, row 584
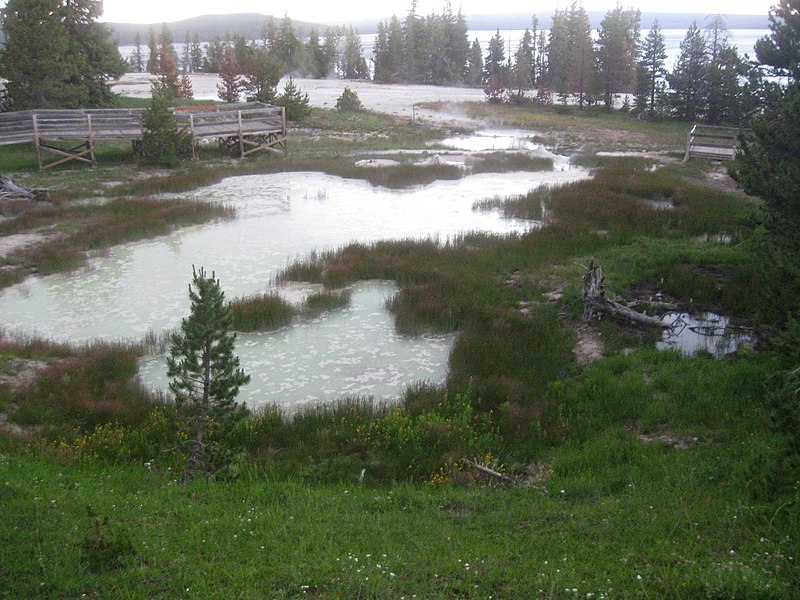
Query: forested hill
column 207, row 27
column 249, row 24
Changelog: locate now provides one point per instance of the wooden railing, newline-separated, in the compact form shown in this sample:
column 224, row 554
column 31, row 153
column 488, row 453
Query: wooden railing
column 251, row 126
column 707, row 141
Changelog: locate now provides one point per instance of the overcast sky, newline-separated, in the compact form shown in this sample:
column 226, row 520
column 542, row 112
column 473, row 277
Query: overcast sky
column 328, row 11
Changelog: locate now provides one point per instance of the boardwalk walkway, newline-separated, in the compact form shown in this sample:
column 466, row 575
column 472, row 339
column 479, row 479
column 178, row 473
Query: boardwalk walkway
column 250, row 128
column 717, row 143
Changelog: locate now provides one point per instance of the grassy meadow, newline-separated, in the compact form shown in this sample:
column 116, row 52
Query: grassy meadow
column 638, row 474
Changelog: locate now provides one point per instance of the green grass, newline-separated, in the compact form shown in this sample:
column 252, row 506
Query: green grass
column 642, row 475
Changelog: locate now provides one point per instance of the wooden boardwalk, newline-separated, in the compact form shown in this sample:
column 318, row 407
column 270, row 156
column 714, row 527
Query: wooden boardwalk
column 717, row 143
column 250, row 128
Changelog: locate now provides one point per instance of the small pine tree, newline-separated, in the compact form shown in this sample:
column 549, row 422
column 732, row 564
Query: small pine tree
column 295, row 102
column 163, row 142
column 349, row 100
column 205, row 372
column 230, row 88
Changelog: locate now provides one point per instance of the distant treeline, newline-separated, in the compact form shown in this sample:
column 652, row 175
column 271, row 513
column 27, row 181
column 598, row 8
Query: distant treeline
column 207, row 27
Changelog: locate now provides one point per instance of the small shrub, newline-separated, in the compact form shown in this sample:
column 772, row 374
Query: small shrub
column 105, row 548
column 163, row 142
column 294, row 101
column 350, row 101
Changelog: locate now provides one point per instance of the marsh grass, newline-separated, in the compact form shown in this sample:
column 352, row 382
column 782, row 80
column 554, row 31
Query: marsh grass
column 73, row 231
column 96, row 384
column 504, row 162
column 325, row 301
column 261, row 312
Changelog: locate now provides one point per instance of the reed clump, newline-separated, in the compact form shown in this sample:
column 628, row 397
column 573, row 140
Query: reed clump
column 325, row 301
column 505, row 162
column 261, row 312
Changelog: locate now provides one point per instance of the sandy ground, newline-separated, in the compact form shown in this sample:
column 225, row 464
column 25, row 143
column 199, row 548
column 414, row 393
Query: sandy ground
column 323, row 93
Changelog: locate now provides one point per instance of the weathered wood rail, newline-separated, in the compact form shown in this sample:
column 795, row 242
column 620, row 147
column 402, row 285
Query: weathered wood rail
column 717, row 143
column 250, row 128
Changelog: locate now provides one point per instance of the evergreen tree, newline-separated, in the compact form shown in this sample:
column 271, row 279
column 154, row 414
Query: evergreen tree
column 288, row 47
column 651, row 71
column 353, row 63
column 35, row 58
column 163, row 142
column 196, row 53
column 317, row 62
column 457, row 44
column 230, row 87
column 92, row 50
column 214, row 51
column 152, row 53
column 57, row 55
column 269, row 34
column 205, row 372
column 559, row 55
column 474, row 74
column 689, row 79
column 581, row 58
column 769, row 165
column 349, row 101
column 167, row 81
column 294, row 101
column 262, row 73
column 137, row 62
column 495, row 62
column 616, row 52
column 780, row 51
column 522, row 71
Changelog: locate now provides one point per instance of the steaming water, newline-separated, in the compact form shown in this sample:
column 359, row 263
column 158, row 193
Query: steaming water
column 141, row 287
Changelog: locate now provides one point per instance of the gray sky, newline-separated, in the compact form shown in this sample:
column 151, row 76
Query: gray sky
column 157, row 11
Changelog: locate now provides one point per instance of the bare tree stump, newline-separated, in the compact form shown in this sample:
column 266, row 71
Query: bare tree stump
column 595, row 301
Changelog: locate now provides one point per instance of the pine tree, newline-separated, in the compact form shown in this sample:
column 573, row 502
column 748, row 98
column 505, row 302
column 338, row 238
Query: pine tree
column 582, row 58
column 288, row 47
column 616, row 53
column 57, row 55
column 295, row 101
column 689, row 79
column 317, row 63
column 205, row 372
column 651, row 71
column 521, row 72
column 152, row 53
column 196, row 53
column 138, row 56
column 230, row 87
column 163, row 142
column 495, row 61
column 769, row 165
column 474, row 74
column 262, row 73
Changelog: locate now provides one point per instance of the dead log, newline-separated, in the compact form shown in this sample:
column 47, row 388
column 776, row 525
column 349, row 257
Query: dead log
column 491, row 472
column 595, row 301
column 11, row 191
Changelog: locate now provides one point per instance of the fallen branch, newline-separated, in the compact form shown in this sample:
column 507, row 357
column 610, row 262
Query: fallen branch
column 11, row 191
column 491, row 472
column 595, row 301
